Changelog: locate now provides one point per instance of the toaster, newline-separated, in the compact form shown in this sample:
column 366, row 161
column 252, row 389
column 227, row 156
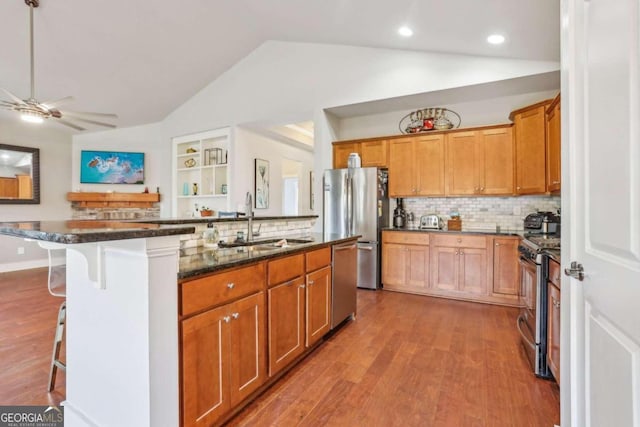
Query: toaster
column 430, row 222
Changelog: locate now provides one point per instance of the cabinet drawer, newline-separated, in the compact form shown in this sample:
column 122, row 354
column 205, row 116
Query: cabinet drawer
column 406, row 237
column 318, row 259
column 221, row 288
column 285, row 269
column 459, row 240
column 554, row 273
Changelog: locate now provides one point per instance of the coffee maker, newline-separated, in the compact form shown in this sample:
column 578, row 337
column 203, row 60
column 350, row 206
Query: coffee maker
column 399, row 215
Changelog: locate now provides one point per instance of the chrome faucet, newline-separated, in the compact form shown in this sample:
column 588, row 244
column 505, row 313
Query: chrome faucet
column 248, row 211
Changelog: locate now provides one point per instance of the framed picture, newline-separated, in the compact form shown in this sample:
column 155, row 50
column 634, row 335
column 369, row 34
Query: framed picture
column 111, row 167
column 262, row 184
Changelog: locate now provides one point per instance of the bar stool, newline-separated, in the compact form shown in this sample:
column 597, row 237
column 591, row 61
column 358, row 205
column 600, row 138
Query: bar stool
column 57, row 280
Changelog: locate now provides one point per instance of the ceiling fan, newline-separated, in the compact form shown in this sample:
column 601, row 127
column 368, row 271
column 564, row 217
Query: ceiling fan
column 33, row 111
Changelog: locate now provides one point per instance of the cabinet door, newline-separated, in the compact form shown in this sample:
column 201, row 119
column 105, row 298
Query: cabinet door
column 341, row 154
column 374, row 153
column 505, row 266
column 496, row 162
column 402, row 180
column 462, row 166
column 318, row 305
column 553, row 147
column 530, row 151
column 553, row 332
column 247, row 360
column 429, row 165
column 286, row 323
column 417, row 268
column 394, row 262
column 205, row 380
column 472, row 276
column 444, row 268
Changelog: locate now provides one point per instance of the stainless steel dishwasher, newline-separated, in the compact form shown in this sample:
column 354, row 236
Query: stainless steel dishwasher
column 345, row 277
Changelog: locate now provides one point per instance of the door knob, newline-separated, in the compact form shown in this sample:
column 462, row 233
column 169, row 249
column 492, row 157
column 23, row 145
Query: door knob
column 575, row 270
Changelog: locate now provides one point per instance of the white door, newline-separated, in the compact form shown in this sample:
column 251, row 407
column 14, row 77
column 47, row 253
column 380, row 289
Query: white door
column 601, row 209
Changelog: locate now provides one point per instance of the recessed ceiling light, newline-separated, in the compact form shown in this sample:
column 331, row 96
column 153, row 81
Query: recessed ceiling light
column 405, row 31
column 495, row 39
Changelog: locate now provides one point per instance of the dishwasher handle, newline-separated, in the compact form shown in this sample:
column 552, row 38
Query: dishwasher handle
column 522, row 334
column 344, row 247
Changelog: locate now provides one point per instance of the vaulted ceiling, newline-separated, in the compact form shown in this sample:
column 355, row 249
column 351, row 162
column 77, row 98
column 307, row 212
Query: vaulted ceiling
column 141, row 60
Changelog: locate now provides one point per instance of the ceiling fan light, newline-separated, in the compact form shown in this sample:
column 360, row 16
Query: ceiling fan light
column 31, row 118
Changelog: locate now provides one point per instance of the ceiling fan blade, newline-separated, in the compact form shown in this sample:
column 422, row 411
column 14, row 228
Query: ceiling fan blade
column 51, row 104
column 86, row 113
column 15, row 98
column 109, row 125
column 71, row 125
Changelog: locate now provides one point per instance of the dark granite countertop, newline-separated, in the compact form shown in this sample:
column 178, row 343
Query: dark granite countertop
column 216, row 219
column 202, row 260
column 87, row 231
column 554, row 254
column 482, row 232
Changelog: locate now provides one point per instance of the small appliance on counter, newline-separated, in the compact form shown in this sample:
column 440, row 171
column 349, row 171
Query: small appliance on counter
column 399, row 215
column 542, row 223
column 430, row 222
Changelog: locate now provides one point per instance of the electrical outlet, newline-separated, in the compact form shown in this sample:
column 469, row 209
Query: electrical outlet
column 20, row 250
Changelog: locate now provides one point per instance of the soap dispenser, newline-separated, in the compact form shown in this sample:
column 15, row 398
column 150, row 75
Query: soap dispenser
column 210, row 236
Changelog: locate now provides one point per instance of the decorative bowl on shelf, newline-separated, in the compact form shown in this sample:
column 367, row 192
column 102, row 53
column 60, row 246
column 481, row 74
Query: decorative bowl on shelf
column 206, row 212
column 190, row 163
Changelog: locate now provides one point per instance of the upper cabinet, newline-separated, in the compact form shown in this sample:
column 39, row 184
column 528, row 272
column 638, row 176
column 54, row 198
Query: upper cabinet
column 530, row 136
column 480, row 162
column 373, row 153
column 553, row 146
column 416, row 166
column 201, row 172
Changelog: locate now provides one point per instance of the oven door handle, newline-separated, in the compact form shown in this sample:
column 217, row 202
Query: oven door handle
column 524, row 337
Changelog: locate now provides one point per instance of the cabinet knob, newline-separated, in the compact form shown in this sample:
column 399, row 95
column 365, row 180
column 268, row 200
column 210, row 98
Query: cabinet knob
column 231, row 285
column 497, row 244
column 459, row 240
column 302, row 286
column 518, row 188
column 461, row 253
column 310, row 282
column 235, row 315
column 455, row 253
column 226, row 319
column 481, row 188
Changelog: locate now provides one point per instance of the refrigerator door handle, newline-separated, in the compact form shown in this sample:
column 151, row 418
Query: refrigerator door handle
column 349, row 193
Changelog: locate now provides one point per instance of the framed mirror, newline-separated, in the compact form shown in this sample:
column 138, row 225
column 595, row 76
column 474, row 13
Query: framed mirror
column 19, row 175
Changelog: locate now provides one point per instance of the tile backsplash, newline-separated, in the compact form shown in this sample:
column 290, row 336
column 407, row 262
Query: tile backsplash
column 481, row 213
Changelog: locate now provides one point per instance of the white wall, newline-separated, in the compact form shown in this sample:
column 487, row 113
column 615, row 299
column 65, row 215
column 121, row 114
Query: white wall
column 488, row 111
column 147, row 139
column 249, row 146
column 55, row 178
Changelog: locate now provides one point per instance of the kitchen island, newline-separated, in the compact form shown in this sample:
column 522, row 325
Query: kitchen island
column 123, row 313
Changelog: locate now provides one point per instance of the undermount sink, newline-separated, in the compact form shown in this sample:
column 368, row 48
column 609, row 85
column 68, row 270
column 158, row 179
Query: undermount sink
column 267, row 244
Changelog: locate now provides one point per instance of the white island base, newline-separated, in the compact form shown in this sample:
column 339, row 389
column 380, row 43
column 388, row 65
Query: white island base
column 122, row 333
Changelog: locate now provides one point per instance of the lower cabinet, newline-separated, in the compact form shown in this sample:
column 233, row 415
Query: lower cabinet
column 318, row 305
column 455, row 265
column 223, row 358
column 553, row 321
column 405, row 261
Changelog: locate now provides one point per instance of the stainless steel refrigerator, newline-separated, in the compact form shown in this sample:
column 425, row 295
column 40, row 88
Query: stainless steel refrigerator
column 356, row 202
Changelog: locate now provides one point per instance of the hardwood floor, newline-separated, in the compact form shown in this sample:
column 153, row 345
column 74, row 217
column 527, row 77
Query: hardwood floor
column 407, row 360
column 411, row 360
column 28, row 316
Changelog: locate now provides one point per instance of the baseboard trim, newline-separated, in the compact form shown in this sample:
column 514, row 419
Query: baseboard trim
column 24, row 265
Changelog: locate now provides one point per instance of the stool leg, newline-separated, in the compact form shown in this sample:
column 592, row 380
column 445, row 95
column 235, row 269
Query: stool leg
column 57, row 344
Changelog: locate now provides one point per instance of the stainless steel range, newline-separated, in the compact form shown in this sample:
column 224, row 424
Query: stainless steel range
column 532, row 321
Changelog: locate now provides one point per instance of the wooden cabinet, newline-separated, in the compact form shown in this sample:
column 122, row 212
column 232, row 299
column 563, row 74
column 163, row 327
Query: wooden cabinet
column 299, row 298
column 222, row 358
column 480, row 162
column 25, row 187
column 286, row 313
column 416, row 166
column 553, row 146
column 505, row 267
column 374, row 153
column 405, row 261
column 530, row 137
column 459, row 264
column 553, row 321
column 318, row 305
column 341, row 153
